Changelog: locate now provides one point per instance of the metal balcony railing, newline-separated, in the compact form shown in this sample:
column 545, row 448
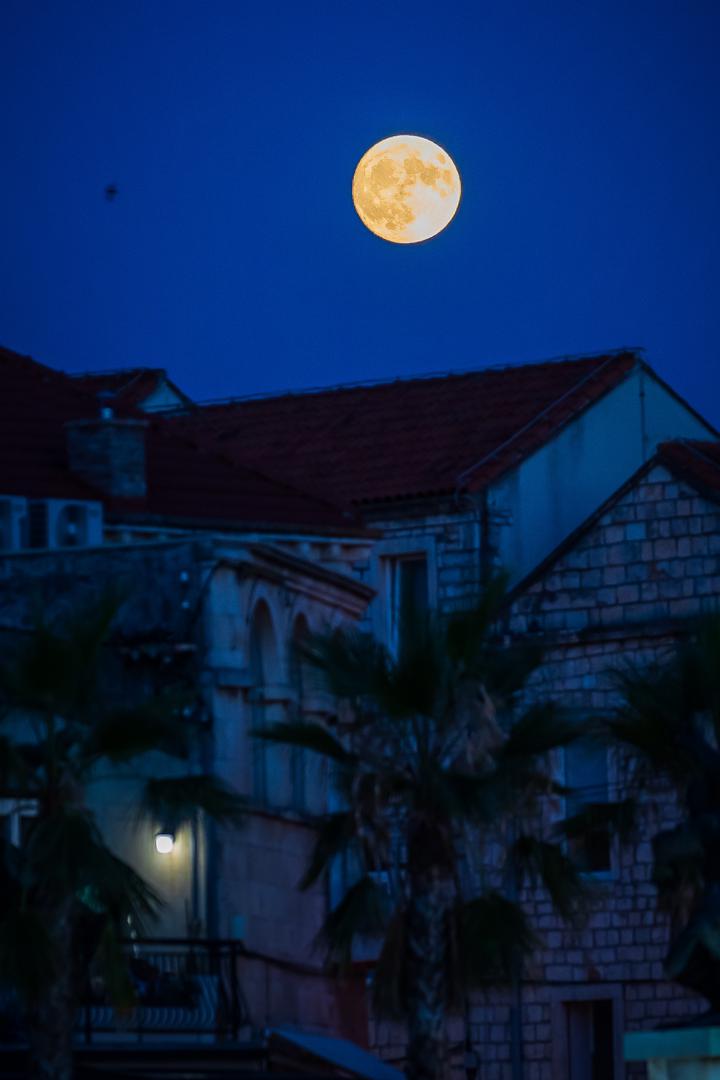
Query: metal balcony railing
column 181, row 987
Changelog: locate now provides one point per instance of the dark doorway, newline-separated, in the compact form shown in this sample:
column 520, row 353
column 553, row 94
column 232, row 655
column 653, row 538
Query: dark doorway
column 590, row 1040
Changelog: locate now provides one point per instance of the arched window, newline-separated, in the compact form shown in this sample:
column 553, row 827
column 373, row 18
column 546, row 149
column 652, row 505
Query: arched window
column 309, row 771
column 270, row 762
column 298, row 681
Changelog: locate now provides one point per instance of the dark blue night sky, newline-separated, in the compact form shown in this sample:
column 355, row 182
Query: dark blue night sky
column 586, row 134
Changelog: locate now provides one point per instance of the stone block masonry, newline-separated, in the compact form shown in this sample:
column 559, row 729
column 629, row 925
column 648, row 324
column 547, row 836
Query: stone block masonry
column 621, row 592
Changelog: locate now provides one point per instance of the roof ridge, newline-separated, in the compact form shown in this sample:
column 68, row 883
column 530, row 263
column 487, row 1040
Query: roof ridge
column 265, row 395
column 61, row 377
column 102, row 372
column 691, row 445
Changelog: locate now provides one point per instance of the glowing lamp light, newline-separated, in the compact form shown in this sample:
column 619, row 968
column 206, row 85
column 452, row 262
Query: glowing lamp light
column 164, row 842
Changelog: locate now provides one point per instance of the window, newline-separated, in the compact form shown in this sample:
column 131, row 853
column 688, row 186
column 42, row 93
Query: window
column 16, row 820
column 408, row 594
column 586, row 773
column 298, row 678
column 270, row 783
column 590, row 1040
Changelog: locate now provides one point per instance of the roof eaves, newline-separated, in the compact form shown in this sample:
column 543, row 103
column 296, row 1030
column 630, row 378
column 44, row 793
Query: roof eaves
column 294, row 562
column 572, row 538
column 685, row 471
column 117, row 515
column 553, row 429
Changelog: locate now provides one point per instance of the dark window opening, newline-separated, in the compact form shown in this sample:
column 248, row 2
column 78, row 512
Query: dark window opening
column 410, row 595
column 586, row 773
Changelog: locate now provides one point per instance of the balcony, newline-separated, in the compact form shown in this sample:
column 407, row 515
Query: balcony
column 185, row 989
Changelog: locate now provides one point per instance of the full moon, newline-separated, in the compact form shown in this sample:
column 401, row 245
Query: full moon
column 406, row 189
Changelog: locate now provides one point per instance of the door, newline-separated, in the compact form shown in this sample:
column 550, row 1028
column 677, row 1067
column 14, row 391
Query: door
column 590, row 1040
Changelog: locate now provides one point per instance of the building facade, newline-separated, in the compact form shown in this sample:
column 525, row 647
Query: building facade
column 273, row 518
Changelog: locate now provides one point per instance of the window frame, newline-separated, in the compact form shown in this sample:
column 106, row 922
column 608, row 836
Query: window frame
column 15, row 810
column 562, row 996
column 613, row 871
column 385, row 557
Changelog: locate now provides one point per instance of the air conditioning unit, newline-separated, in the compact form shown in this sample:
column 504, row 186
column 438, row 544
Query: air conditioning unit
column 12, row 513
column 59, row 523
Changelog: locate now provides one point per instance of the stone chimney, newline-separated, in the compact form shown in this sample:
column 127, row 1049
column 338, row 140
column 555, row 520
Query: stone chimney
column 109, row 454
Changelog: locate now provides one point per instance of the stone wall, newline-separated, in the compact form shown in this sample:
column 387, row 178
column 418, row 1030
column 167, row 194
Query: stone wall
column 450, row 539
column 620, row 591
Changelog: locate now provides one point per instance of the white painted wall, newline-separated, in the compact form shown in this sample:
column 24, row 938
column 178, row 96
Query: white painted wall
column 163, row 397
column 556, row 489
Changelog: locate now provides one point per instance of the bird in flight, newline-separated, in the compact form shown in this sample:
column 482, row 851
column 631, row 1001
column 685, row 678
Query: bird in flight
column 110, row 192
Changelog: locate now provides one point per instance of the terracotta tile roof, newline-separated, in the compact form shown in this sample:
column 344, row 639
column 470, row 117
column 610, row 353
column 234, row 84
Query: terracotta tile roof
column 187, row 483
column 412, row 437
column 184, row 482
column 130, row 387
column 694, row 460
column 34, row 401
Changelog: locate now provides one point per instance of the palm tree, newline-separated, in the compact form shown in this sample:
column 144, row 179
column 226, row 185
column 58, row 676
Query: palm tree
column 431, row 758
column 64, row 893
column 669, row 720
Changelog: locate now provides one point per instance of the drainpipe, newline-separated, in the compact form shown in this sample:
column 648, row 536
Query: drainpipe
column 207, row 881
column 486, row 554
column 643, row 418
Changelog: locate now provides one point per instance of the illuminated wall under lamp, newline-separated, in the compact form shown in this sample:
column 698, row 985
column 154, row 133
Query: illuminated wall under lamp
column 164, row 842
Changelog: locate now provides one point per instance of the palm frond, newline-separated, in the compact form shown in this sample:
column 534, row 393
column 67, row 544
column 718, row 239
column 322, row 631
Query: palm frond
column 89, row 628
column 311, row 737
column 119, row 891
column 545, row 863
column 64, row 853
column 112, row 963
column 541, row 728
column 335, row 833
column 154, row 725
column 468, row 631
column 471, row 796
column 15, row 771
column 702, row 930
column 652, row 718
column 417, row 678
column 37, row 675
column 618, row 818
column 389, row 991
column 363, row 911
column 492, row 930
column 56, row 667
column 28, row 956
column 679, row 854
column 175, row 800
column 353, row 664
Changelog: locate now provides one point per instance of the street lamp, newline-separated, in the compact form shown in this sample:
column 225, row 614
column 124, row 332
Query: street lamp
column 164, row 842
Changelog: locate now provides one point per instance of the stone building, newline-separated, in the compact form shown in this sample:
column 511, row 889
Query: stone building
column 305, row 510
column 619, row 589
column 203, row 548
